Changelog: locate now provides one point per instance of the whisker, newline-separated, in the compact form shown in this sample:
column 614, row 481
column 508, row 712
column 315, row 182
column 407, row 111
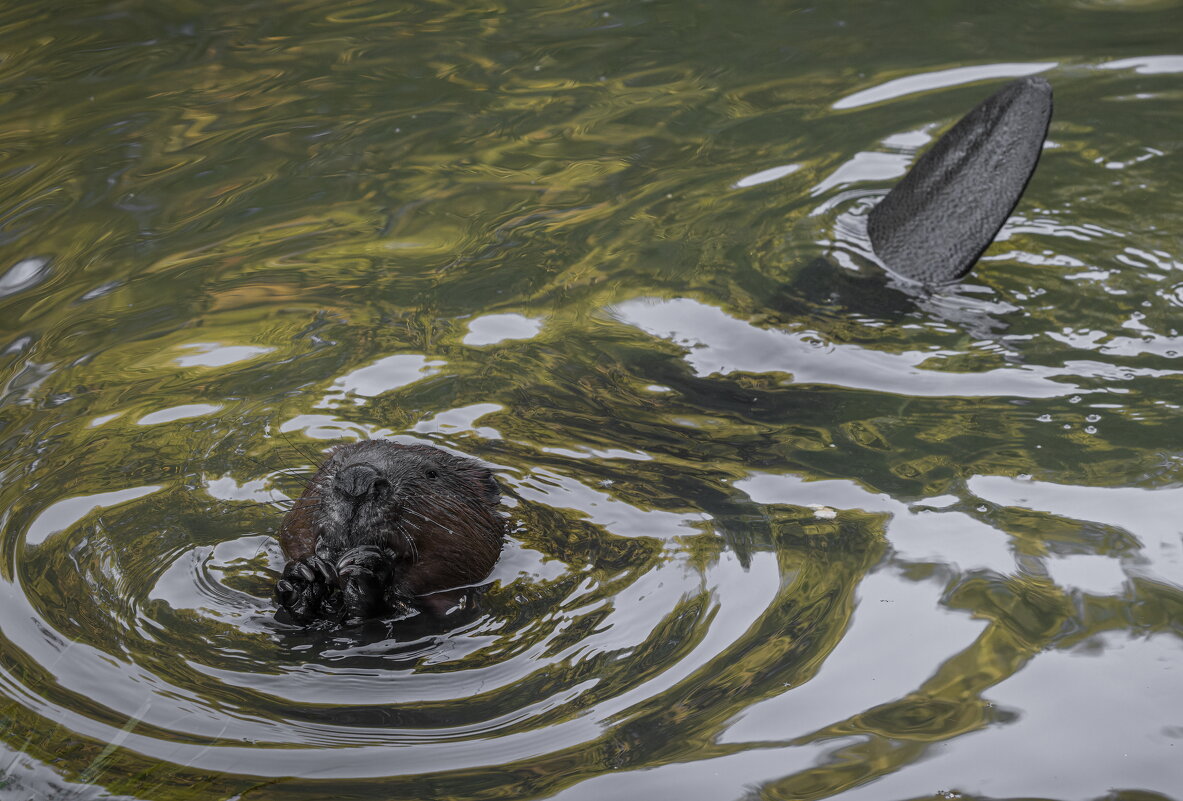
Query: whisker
column 424, row 517
column 284, row 470
column 451, row 505
column 263, row 503
column 312, row 458
column 411, row 545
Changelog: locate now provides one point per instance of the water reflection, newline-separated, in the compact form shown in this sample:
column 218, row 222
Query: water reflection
column 782, row 528
column 720, row 344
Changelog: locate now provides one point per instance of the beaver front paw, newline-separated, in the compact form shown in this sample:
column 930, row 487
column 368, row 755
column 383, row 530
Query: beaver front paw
column 367, row 578
column 309, row 589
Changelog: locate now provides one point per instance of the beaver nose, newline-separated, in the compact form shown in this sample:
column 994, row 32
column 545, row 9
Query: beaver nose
column 356, row 480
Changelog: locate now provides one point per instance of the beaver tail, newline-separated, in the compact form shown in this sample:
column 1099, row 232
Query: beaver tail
column 932, row 227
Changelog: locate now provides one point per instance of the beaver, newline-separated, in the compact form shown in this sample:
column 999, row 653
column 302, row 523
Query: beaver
column 385, row 528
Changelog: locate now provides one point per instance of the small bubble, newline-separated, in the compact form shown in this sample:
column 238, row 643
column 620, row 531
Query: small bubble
column 1074, row 399
column 1044, row 418
column 981, row 508
column 1090, row 429
column 1092, row 418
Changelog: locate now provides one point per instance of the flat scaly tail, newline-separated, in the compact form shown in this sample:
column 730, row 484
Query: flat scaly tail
column 932, row 227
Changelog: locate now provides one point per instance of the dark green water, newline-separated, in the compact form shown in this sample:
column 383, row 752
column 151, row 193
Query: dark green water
column 780, row 531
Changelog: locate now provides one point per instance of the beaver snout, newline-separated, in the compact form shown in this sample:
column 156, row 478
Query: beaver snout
column 356, row 481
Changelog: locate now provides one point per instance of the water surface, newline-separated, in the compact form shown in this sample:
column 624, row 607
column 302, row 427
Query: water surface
column 780, row 530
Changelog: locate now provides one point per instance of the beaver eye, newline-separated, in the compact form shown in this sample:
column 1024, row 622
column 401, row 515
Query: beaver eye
column 432, row 474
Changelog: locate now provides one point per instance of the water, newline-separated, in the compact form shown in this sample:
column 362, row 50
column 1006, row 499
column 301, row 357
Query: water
column 779, row 530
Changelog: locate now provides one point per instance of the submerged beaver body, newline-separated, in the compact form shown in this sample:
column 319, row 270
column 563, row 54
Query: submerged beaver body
column 382, row 526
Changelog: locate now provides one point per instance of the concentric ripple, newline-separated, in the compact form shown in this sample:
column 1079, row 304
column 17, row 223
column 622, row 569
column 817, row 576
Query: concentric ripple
column 781, row 528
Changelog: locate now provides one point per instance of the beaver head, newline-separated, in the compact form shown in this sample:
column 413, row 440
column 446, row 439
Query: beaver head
column 382, row 524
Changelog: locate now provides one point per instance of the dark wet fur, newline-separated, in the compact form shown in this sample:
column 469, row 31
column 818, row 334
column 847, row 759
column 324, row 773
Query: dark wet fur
column 384, row 529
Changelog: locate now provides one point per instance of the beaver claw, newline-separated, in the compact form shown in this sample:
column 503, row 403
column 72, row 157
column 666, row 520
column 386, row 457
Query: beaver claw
column 366, row 578
column 360, row 584
column 307, row 588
